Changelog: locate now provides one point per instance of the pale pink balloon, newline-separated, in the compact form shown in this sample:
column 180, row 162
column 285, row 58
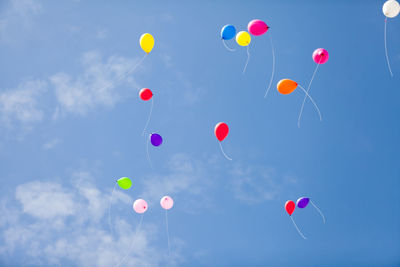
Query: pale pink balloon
column 257, row 27
column 140, row 205
column 166, row 202
column 320, row 56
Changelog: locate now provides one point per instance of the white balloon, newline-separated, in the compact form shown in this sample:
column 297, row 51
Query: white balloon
column 391, row 8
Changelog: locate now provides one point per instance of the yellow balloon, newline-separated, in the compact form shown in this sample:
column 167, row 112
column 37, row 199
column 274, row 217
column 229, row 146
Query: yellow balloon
column 243, row 38
column 147, row 42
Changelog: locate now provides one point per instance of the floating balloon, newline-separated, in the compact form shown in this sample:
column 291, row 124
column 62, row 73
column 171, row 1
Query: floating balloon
column 221, row 131
column 146, row 94
column 227, row 33
column 124, row 182
column 287, row 86
column 147, row 42
column 320, row 56
column 289, row 207
column 390, row 9
column 257, row 27
column 156, row 139
column 243, row 39
column 303, row 202
column 166, row 202
column 140, row 206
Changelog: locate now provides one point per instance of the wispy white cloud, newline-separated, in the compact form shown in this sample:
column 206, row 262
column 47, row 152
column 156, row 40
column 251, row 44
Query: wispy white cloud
column 51, row 144
column 96, row 86
column 22, row 103
column 185, row 178
column 59, row 224
column 17, row 15
column 255, row 184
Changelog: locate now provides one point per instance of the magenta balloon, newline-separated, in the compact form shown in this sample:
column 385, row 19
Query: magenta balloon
column 320, row 56
column 257, row 27
column 140, row 206
column 166, row 202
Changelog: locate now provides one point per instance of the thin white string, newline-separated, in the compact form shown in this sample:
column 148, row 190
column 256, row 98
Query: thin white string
column 148, row 119
column 222, row 150
column 308, row 90
column 320, row 212
column 298, row 230
column 166, row 223
column 147, row 149
column 109, row 209
column 273, row 67
column 312, row 100
column 386, row 52
column 247, row 60
column 123, row 75
column 133, row 240
column 227, row 47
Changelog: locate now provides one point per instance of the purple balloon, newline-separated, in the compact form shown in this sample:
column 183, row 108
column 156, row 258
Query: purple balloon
column 155, row 139
column 302, row 202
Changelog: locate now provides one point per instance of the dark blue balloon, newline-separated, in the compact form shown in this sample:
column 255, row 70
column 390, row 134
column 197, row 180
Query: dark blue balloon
column 228, row 32
column 302, row 202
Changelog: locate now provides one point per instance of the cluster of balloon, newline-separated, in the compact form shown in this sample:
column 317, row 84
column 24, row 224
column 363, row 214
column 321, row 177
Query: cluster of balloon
column 287, row 86
column 320, row 56
column 156, row 140
column 167, row 203
column 221, row 131
column 124, row 183
column 391, row 9
column 301, row 203
column 257, row 28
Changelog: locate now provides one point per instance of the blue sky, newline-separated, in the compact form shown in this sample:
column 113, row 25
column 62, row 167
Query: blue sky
column 64, row 139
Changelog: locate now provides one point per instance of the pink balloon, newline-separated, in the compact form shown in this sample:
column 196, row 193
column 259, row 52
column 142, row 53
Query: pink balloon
column 320, row 56
column 166, row 202
column 257, row 27
column 140, row 206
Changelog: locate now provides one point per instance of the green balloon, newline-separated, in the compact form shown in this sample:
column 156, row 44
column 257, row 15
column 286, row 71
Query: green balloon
column 124, row 182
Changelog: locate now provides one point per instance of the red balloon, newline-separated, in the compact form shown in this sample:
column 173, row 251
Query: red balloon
column 145, row 94
column 221, row 131
column 289, row 207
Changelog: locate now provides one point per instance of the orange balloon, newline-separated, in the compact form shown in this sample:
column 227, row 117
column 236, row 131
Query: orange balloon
column 286, row 86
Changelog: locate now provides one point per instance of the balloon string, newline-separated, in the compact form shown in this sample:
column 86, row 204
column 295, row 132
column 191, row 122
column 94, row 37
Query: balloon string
column 109, row 210
column 308, row 90
column 147, row 149
column 298, row 230
column 222, row 150
column 312, row 100
column 148, row 119
column 273, row 67
column 320, row 212
column 247, row 60
column 386, row 52
column 227, row 47
column 166, row 224
column 133, row 240
column 123, row 75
